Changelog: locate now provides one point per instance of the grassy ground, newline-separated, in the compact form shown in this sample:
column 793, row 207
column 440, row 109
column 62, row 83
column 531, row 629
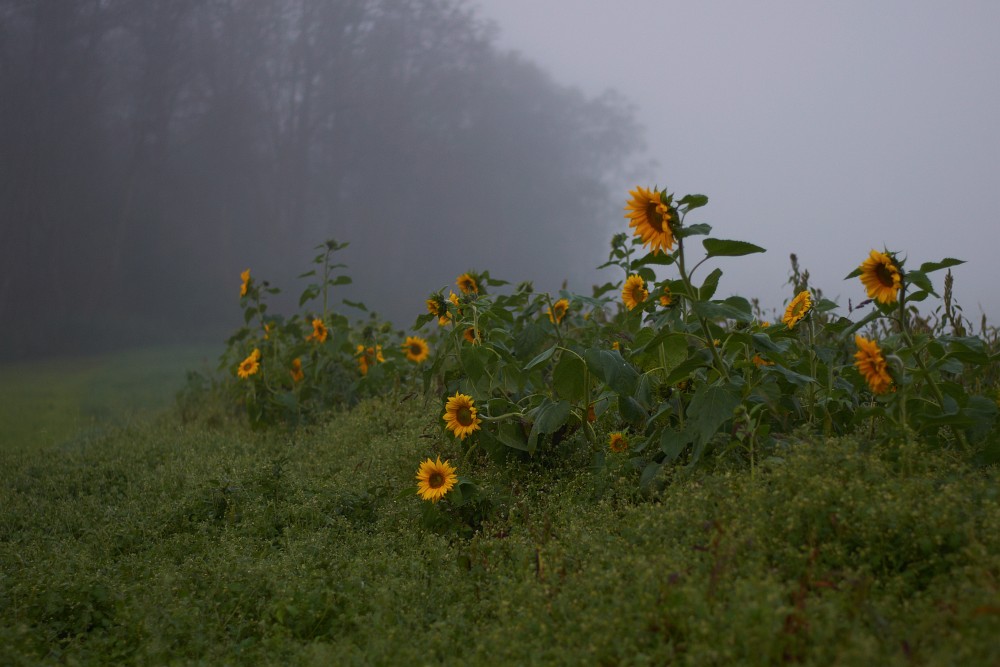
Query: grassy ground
column 46, row 403
column 165, row 542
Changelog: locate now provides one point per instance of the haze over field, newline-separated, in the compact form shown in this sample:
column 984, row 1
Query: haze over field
column 150, row 152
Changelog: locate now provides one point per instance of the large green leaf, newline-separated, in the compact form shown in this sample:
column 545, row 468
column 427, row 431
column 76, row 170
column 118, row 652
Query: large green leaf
column 707, row 290
column 710, row 408
column 568, row 378
column 549, row 417
column 927, row 267
column 612, row 370
column 727, row 248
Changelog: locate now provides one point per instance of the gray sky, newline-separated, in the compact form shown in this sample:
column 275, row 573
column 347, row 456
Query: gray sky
column 821, row 128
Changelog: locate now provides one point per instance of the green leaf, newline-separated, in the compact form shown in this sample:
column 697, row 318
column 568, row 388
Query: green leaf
column 672, row 442
column 361, row 306
column 920, row 279
column 700, row 229
column 928, row 267
column 549, row 417
column 340, row 280
column 691, row 202
column 707, row 289
column 710, row 408
column 716, row 310
column 609, row 367
column 568, row 378
column 968, row 349
column 725, row 248
column 541, row 358
column 631, row 411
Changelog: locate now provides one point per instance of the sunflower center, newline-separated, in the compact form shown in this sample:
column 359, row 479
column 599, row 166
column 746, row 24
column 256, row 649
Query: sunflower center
column 436, row 480
column 415, row 350
column 655, row 215
column 464, row 416
column 884, row 275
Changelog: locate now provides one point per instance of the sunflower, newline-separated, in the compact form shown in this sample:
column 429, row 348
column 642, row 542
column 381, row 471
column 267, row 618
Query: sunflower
column 558, row 311
column 439, row 309
column 615, row 345
column 267, row 330
column 296, row 372
column 472, row 336
column 368, row 357
column 467, row 283
column 872, row 365
column 666, row 298
column 760, row 361
column 416, row 349
column 250, row 365
column 618, row 442
column 435, row 479
column 797, row 309
column 881, row 277
column 634, row 291
column 319, row 333
column 460, row 415
column 245, row 277
column 651, row 219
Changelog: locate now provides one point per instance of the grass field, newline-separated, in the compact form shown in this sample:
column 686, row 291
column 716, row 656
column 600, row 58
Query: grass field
column 155, row 540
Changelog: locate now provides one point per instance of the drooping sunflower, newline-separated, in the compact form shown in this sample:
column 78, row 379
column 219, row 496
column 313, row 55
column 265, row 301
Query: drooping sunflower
column 634, row 292
column 319, row 333
column 558, row 311
column 368, row 357
column 416, row 349
column 872, row 365
column 250, row 365
column 460, row 415
column 435, row 479
column 651, row 219
column 467, row 283
column 618, row 442
column 296, row 371
column 245, row 277
column 472, row 336
column 881, row 277
column 797, row 309
column 437, row 307
column 665, row 297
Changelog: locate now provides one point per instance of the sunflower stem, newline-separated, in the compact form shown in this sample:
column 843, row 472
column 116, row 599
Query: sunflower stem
column 719, row 365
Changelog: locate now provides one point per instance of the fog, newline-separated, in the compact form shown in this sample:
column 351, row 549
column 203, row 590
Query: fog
column 151, row 151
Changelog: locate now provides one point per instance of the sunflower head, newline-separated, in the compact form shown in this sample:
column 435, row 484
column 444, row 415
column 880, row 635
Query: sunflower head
column 472, row 335
column 296, row 371
column 319, row 332
column 665, row 297
column 872, row 365
column 651, row 214
column 435, row 479
column 416, row 349
column 250, row 365
column 881, row 276
column 467, row 283
column 437, row 307
column 558, row 311
column 245, row 287
column 368, row 357
column 797, row 309
column 760, row 361
column 460, row 416
column 617, row 442
column 634, row 292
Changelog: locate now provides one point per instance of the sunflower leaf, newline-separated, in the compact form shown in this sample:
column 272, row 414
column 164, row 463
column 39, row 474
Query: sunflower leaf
column 541, row 358
column 707, row 290
column 691, row 202
column 928, row 267
column 920, row 279
column 726, row 248
column 700, row 229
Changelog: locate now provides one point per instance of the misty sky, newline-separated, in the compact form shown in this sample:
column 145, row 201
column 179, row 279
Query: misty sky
column 820, row 128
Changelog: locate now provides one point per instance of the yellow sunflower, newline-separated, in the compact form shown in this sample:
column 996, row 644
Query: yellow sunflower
column 435, row 479
column 760, row 361
column 439, row 309
column 558, row 311
column 618, row 442
column 666, row 298
column 296, row 372
column 245, row 276
column 416, row 349
column 368, row 357
column 797, row 309
column 250, row 365
column 472, row 336
column 319, row 333
column 881, row 277
column 651, row 219
column 872, row 365
column 634, row 291
column 460, row 415
column 467, row 283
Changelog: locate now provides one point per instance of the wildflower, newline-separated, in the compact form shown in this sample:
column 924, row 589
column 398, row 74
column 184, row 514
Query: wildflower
column 439, row 309
column 368, row 357
column 460, row 415
column 881, row 277
column 872, row 365
column 634, row 291
column 319, row 333
column 250, row 365
column 296, row 372
column 435, row 479
column 618, row 442
column 245, row 276
column 416, row 349
column 558, row 311
column 467, row 283
column 651, row 219
column 797, row 309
